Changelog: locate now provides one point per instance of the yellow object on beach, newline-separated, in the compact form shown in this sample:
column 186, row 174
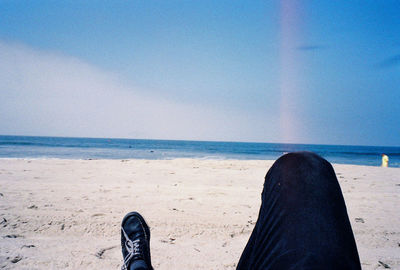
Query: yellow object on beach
column 385, row 160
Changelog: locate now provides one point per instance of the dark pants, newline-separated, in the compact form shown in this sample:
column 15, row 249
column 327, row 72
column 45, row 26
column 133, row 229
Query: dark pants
column 303, row 222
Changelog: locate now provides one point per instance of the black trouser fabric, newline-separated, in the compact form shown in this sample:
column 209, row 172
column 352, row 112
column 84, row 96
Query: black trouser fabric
column 303, row 221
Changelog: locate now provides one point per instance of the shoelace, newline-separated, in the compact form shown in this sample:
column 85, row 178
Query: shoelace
column 132, row 247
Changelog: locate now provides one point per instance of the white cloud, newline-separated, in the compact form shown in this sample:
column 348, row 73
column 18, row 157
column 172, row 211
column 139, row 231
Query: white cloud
column 47, row 93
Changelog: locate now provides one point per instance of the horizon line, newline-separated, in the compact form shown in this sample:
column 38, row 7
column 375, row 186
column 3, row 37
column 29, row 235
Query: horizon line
column 188, row 140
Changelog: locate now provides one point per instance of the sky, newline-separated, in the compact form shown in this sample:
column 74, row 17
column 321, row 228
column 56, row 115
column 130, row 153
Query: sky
column 287, row 71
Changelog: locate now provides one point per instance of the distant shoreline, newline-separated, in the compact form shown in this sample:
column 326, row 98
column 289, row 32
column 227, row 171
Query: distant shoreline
column 100, row 148
column 172, row 159
column 191, row 140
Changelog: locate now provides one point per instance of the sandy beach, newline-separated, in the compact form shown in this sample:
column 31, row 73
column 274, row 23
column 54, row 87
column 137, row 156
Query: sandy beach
column 66, row 214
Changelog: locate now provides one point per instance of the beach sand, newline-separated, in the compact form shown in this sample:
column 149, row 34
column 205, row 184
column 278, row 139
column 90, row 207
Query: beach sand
column 66, row 214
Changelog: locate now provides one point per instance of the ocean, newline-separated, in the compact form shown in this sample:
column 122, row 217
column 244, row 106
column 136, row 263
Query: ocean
column 96, row 148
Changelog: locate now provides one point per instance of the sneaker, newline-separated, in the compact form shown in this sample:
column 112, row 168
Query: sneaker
column 135, row 240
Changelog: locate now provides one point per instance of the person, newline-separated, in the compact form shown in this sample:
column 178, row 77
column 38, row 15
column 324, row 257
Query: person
column 385, row 160
column 302, row 222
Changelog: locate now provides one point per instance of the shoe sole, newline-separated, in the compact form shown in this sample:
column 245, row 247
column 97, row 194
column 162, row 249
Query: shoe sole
column 142, row 221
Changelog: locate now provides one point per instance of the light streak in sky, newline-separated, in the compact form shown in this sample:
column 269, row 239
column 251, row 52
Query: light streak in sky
column 290, row 89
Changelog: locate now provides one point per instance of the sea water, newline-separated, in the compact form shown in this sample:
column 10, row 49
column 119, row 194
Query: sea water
column 95, row 148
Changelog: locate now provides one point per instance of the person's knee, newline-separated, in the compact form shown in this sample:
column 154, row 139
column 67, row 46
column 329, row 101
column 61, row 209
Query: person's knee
column 302, row 160
column 300, row 166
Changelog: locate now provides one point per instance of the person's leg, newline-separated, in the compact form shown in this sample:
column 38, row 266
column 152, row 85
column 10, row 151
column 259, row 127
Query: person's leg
column 135, row 242
column 303, row 221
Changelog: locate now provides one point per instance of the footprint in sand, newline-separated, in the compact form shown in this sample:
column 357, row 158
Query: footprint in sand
column 28, row 246
column 98, row 215
column 99, row 254
column 13, row 236
column 16, row 259
column 360, row 220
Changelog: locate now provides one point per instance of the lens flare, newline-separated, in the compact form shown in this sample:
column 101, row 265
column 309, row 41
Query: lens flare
column 290, row 124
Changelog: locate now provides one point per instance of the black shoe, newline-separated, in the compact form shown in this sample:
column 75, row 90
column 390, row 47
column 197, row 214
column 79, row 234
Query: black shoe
column 135, row 240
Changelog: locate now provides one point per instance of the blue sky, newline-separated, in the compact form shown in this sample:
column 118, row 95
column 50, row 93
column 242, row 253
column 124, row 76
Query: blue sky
column 324, row 72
